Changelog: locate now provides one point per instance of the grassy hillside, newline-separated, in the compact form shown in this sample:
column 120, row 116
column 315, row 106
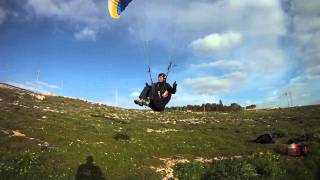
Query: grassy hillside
column 48, row 138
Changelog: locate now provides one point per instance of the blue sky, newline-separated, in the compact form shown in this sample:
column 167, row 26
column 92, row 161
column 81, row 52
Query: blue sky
column 244, row 51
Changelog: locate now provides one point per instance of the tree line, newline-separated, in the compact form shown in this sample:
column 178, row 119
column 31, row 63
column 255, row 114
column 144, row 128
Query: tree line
column 212, row 107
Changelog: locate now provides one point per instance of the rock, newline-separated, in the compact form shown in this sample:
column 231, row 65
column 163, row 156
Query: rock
column 18, row 133
column 161, row 131
column 38, row 96
column 5, row 132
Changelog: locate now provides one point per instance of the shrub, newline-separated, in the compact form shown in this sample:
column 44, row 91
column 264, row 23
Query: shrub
column 257, row 166
column 121, row 136
column 192, row 170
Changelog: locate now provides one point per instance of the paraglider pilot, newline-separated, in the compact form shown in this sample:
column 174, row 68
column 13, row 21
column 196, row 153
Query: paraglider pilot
column 157, row 95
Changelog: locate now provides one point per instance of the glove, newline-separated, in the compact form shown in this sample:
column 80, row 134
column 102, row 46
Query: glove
column 175, row 84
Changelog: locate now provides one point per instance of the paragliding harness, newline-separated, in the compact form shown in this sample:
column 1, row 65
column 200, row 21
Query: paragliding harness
column 157, row 102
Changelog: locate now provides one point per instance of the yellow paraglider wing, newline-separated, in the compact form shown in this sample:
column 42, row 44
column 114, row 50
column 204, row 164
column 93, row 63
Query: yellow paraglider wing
column 116, row 7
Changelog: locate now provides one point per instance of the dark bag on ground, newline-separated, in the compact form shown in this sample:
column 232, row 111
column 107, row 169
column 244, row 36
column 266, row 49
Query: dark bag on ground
column 264, row 139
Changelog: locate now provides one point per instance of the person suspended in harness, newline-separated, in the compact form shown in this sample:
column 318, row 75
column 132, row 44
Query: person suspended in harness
column 157, row 95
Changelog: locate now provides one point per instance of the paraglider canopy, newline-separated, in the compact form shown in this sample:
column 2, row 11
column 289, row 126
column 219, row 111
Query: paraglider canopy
column 116, row 7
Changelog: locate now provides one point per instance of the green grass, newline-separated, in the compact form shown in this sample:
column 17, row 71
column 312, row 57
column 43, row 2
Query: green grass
column 76, row 129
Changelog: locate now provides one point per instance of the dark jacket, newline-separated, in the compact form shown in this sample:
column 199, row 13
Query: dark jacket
column 158, row 102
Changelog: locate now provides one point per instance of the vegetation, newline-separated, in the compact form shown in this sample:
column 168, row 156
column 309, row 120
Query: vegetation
column 209, row 107
column 49, row 138
column 257, row 166
column 253, row 106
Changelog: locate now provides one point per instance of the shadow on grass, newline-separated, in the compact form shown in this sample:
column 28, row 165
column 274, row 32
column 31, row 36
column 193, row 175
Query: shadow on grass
column 90, row 171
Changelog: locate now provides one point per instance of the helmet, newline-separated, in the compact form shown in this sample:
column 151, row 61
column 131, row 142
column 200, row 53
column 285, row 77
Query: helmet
column 162, row 74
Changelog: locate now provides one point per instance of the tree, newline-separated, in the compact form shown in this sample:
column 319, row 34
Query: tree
column 253, row 106
column 235, row 107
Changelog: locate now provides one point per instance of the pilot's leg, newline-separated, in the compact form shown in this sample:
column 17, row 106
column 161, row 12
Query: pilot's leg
column 145, row 92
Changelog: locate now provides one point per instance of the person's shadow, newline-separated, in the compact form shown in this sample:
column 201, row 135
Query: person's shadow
column 89, row 171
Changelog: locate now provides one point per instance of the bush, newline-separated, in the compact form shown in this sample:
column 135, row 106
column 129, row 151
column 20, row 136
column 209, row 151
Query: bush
column 269, row 165
column 230, row 169
column 192, row 170
column 121, row 136
column 30, row 165
column 258, row 166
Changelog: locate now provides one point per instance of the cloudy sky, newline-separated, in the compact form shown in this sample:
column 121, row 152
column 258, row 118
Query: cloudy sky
column 246, row 51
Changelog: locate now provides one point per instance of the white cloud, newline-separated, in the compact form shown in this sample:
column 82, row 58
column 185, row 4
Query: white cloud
column 268, row 60
column 135, row 94
column 262, row 67
column 35, row 86
column 305, row 19
column 188, row 20
column 217, row 42
column 305, row 31
column 208, row 85
column 184, row 22
column 86, row 34
column 305, row 9
column 72, row 11
column 46, row 85
column 301, row 90
column 3, row 15
column 220, row 64
column 212, row 85
column 90, row 15
column 184, row 97
column 181, row 99
column 303, row 86
column 28, row 86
